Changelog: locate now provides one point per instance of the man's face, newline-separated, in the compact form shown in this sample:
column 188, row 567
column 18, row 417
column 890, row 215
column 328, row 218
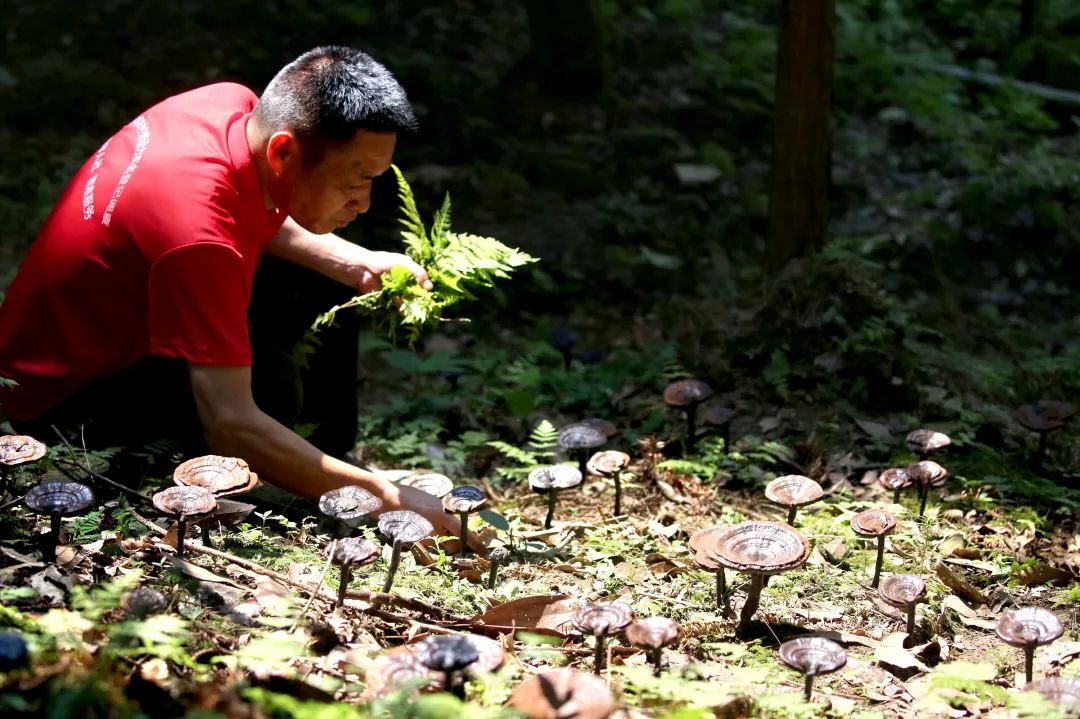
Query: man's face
column 329, row 195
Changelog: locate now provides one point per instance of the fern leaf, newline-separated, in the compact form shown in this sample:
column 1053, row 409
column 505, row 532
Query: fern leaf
column 440, row 225
column 545, row 437
column 520, row 456
column 414, row 234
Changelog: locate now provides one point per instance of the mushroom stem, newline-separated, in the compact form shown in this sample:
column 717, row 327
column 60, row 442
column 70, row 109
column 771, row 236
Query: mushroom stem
column 691, row 428
column 551, row 509
column 598, row 662
column 727, row 435
column 492, row 573
column 792, row 510
column 346, row 575
column 808, row 686
column 618, row 494
column 53, row 539
column 464, row 535
column 181, row 530
column 1029, row 661
column 924, row 492
column 583, row 461
column 205, row 534
column 657, row 658
column 455, row 688
column 721, row 589
column 896, row 496
column 753, row 597
column 879, row 562
column 395, row 559
column 4, row 475
column 911, row 623
column 1040, row 455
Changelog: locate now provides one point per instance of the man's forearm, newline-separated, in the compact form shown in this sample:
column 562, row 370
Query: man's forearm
column 329, row 255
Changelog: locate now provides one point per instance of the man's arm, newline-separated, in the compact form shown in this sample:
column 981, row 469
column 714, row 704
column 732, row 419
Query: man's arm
column 236, row 427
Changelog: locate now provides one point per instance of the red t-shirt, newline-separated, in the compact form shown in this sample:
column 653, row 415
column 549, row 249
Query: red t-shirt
column 151, row 250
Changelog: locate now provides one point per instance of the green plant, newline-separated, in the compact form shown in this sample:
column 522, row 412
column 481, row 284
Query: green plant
column 541, row 447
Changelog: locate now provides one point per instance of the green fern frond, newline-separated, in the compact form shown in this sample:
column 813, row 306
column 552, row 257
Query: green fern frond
column 545, row 437
column 516, row 454
column 414, row 234
column 440, row 225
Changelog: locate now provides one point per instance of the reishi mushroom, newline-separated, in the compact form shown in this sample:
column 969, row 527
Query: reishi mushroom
column 895, row 479
column 402, row 528
column 926, row 475
column 687, row 394
column 601, row 620
column 184, row 504
column 601, row 425
column 563, row 694
column 610, row 464
column 924, row 441
column 904, row 591
column 653, row 634
column 793, row 491
column 17, row 450
column 698, row 542
column 1029, row 628
column 449, row 655
column 224, row 476
column 578, row 439
column 348, row 553
column 1060, row 690
column 720, row 416
column 463, row 501
column 549, row 480
column 874, row 523
column 496, row 557
column 433, row 483
column 57, row 500
column 347, row 506
column 1043, row 417
column 812, row 656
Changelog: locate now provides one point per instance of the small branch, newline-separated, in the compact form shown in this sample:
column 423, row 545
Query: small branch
column 318, row 587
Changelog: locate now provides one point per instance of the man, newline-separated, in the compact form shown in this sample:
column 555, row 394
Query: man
column 128, row 317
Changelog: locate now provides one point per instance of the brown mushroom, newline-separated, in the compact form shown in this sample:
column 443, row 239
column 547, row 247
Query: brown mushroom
column 348, row 553
column 698, row 541
column 563, row 694
column 392, row 669
column 184, row 504
column 578, row 439
column 347, row 506
column 17, row 450
column 601, row 620
column 758, row 549
column 144, row 601
column 57, row 500
column 601, row 425
column 904, row 591
column 687, row 394
column 812, row 656
column 224, row 476
column 402, row 528
column 496, row 557
column 1060, row 690
column 793, row 491
column 463, row 501
column 925, row 475
column 1028, row 628
column 874, row 523
column 550, row 480
column 895, row 479
column 653, row 634
column 433, row 483
column 1043, row 417
column 720, row 416
column 610, row 464
column 924, row 441
column 449, row 655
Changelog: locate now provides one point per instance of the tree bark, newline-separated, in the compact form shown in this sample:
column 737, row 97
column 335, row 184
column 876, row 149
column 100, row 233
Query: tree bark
column 802, row 139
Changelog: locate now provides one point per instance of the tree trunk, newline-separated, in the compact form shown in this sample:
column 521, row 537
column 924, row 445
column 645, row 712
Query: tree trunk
column 567, row 47
column 799, row 173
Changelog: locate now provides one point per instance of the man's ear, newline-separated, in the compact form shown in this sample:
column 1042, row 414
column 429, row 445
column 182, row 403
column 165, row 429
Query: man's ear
column 283, row 154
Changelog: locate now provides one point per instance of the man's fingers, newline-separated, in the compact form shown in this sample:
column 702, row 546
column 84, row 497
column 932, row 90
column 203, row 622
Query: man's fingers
column 421, row 276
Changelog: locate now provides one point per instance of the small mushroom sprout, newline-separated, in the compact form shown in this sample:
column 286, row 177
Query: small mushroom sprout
column 653, row 634
column 348, row 553
column 904, row 591
column 924, row 441
column 1043, row 417
column 463, row 501
column 687, row 394
column 433, row 483
column 144, row 601
column 610, row 464
column 926, row 475
column 496, row 557
column 876, row 524
column 578, row 439
column 403, row 528
column 812, row 656
column 17, row 450
column 793, row 491
column 347, row 506
column 184, row 504
column 601, row 620
column 58, row 500
column 449, row 655
column 563, row 694
column 550, row 480
column 1029, row 628
column 895, row 479
column 759, row 549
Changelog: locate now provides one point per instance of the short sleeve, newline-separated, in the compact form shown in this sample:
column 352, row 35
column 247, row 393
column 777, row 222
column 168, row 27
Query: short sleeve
column 197, row 305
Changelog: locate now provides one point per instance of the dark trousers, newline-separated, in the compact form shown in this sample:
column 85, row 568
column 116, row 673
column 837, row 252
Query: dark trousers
column 152, row 400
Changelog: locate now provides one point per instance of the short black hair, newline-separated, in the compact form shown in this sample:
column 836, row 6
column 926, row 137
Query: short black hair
column 327, row 94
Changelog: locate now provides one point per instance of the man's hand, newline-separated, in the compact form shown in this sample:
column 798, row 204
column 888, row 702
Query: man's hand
column 370, row 266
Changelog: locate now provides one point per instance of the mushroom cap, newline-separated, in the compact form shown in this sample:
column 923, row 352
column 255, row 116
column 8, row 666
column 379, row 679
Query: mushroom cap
column 16, row 449
column 699, row 538
column 144, row 601
column 1044, row 415
column 1060, row 690
column 653, row 632
column 354, row 551
column 686, row 393
column 464, row 499
column 223, row 476
column 433, row 483
column 491, row 655
column 927, row 473
column 562, row 338
column 349, row 503
column 390, row 670
column 62, row 498
column 603, row 618
column 563, row 694
column 404, row 526
column 13, row 652
column 601, row 425
column 921, row 441
column 758, row 547
column 873, row 523
column 446, row 653
column 902, row 590
column 717, row 415
column 580, row 436
column 813, row 655
column 185, row 502
column 498, row 554
column 1028, row 626
column 895, row 478
column 607, row 463
column 793, row 490
column 554, row 476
